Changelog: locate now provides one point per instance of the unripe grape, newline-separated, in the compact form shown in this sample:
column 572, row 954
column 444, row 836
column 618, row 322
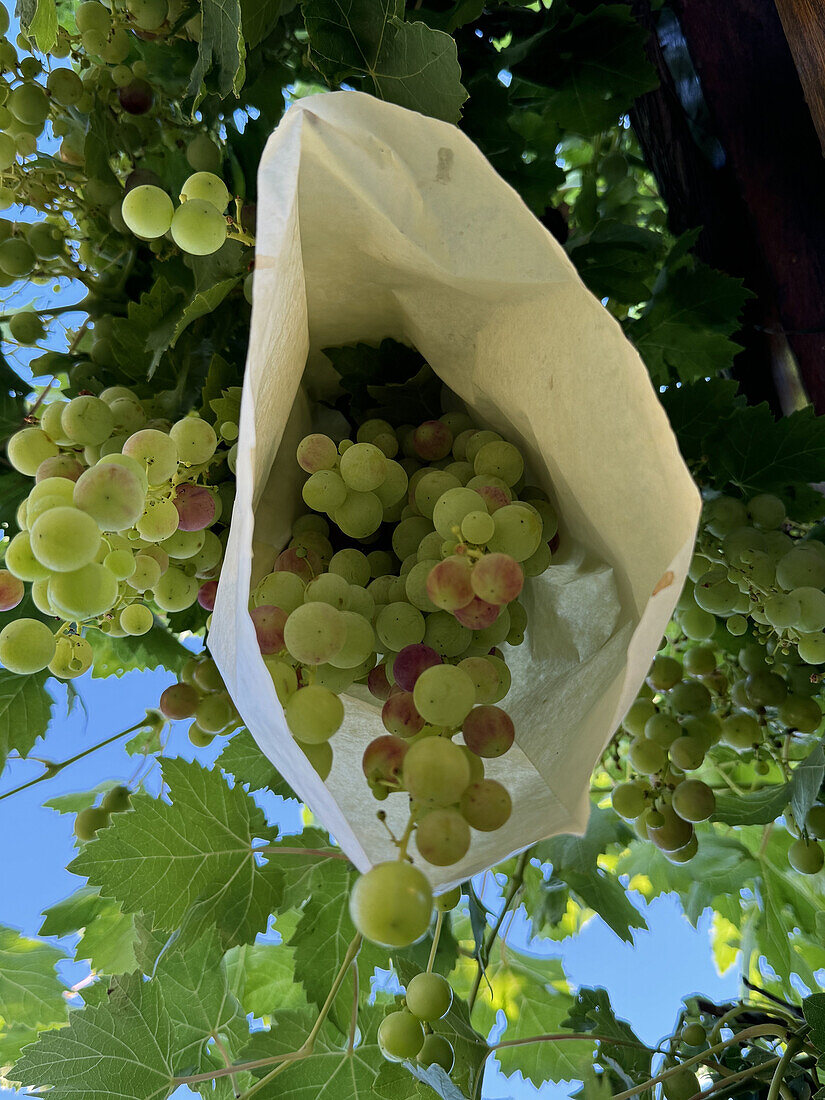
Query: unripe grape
column 198, row 227
column 687, row 753
column 435, row 772
column 436, row 1051
column 392, row 904
column 319, row 756
column 313, row 714
column 200, row 738
column 148, row 14
column 646, row 757
column 690, row 697
column 73, row 656
column 88, row 821
column 486, row 805
column 26, row 646
column 147, row 211
column 673, row 833
column 215, row 712
column 693, row 800
column 207, row 677
column 400, row 716
column 806, row 856
column 207, row 187
column 638, row 716
column 629, row 799
column 815, row 822
column 429, row 997
column 432, row 440
column 444, row 903
column 383, row 759
column 693, row 1034
column 203, row 154
column 681, row 1086
column 663, row 729
column 801, row 713
column 765, row 689
column 488, row 731
column 400, row 1036
column 117, row 800
column 179, row 701
column 442, row 837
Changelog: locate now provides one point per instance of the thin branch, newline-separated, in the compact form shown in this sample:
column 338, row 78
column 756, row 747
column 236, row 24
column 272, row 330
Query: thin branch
column 484, row 948
column 561, row 1037
column 439, row 921
column 223, row 1053
column 779, row 1073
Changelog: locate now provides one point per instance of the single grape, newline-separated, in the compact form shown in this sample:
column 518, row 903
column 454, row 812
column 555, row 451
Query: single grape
column 207, row 187
column 673, row 833
column 194, row 439
column 215, row 712
column 28, row 448
column 486, row 805
column 444, row 695
column 699, row 661
column 698, row 625
column 663, row 729
column 360, row 515
column 497, row 578
column 488, row 731
column 175, row 591
column 449, row 584
column 436, row 772
column 147, row 573
column 269, row 625
column 156, row 451
column 378, row 684
column 88, row 821
column 499, row 459
column 690, row 697
column 206, row 595
column 801, row 713
column 363, row 467
column 693, row 800
column 806, row 856
column 637, row 716
column 200, row 738
column 518, row 531
column 17, row 258
column 646, row 757
column 400, row 716
column 444, row 903
column 815, row 821
column 812, row 648
column 629, row 799
column 64, row 539
column 117, row 800
column 313, row 714
column 741, row 731
column 400, row 1036
column 65, row 466
column 432, row 440
column 800, row 568
column 687, row 753
column 12, row 590
column 442, row 837
column 179, row 701
column 482, row 616
column 436, row 1051
column 147, row 211
column 319, row 756
column 73, row 656
column 315, row 632
column 410, row 662
column 765, row 689
column 136, row 619
column 399, row 625
column 84, row 593
column 382, row 762
column 196, row 507
column 207, row 677
column 392, row 904
column 203, row 154
column 135, row 98
column 317, row 452
column 429, row 997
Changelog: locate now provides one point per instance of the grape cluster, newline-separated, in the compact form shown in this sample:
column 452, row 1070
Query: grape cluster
column 116, row 526
column 417, row 619
column 691, row 717
column 200, row 694
column 88, row 821
column 405, row 1034
column 747, row 565
column 198, row 226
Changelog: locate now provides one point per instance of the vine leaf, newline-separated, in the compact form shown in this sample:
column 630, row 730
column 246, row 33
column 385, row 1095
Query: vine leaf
column 107, row 937
column 814, row 1009
column 243, row 759
column 752, row 807
column 158, row 648
column 221, row 47
column 406, row 63
column 592, row 1011
column 25, row 711
column 807, row 779
column 262, row 976
column 30, row 993
column 190, row 862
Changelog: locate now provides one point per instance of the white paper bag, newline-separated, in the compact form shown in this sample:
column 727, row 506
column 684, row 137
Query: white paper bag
column 374, row 221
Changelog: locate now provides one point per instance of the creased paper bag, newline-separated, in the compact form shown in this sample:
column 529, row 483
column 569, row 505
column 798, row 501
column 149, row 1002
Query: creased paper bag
column 374, row 221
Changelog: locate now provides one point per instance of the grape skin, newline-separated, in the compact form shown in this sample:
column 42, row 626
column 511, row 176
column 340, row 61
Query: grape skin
column 442, row 837
column 391, row 904
column 429, row 997
column 400, row 1036
column 435, row 772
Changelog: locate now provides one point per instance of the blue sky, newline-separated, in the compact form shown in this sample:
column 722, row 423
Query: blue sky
column 646, row 980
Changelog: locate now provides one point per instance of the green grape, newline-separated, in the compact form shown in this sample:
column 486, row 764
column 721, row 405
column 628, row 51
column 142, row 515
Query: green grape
column 518, row 532
column 436, row 1051
column 72, row 657
column 442, row 837
column 198, row 227
column 693, row 1035
column 352, row 565
column 637, row 717
column 159, row 521
column 194, row 439
column 486, row 805
column 416, row 585
column 200, row 738
column 88, row 821
column 203, row 154
column 26, row 646
column 476, row 441
column 175, row 591
column 28, row 448
column 663, row 729
column 741, row 731
column 485, row 678
column 136, row 619
column 148, row 14
column 8, row 152
column 501, row 460
column 26, row 328
column 699, row 661
column 630, row 799
column 324, row 491
column 84, row 593
column 444, row 695
column 120, row 563
column 360, row 515
column 117, row 800
column 430, row 488
column 207, row 187
column 766, row 511
column 453, row 506
column 215, row 712
column 391, row 904
column 183, row 545
column 444, row 903
column 694, row 800
column 802, row 567
column 87, row 420
column 21, row 562
column 407, row 536
column 393, row 489
column 646, row 757
column 319, row 756
column 64, row 539
column 723, row 515
column 783, row 611
column 806, row 856
column 281, row 589
column 156, row 452
column 328, row 588
column 674, row 832
column 444, row 634
column 765, row 689
column 811, row 617
column 435, row 771
column 29, row 104
column 697, row 624
column 400, row 1036
column 206, row 676
column 315, row 632
column 398, row 625
column 811, row 648
column 65, row 87
column 687, row 753
column 112, row 495
column 815, row 821
column 283, row 676
column 429, row 997
column 317, row 452
column 359, row 643
column 147, row 211
column 45, row 239
column 690, row 697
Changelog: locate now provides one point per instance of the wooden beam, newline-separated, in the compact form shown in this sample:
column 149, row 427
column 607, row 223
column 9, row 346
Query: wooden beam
column 804, row 24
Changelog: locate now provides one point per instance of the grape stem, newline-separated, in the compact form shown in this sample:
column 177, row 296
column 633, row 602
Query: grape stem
column 439, row 921
column 778, row 1074
column 51, row 769
column 740, row 1037
column 485, row 947
column 283, row 851
column 227, row 1062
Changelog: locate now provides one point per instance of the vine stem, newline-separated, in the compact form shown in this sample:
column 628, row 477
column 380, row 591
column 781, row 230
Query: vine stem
column 282, row 851
column 227, row 1062
column 484, row 950
column 588, row 1036
column 52, row 770
column 741, row 1037
column 439, row 921
column 776, row 1081
column 732, row 1079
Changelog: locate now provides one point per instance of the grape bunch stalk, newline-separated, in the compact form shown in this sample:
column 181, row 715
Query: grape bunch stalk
column 116, row 529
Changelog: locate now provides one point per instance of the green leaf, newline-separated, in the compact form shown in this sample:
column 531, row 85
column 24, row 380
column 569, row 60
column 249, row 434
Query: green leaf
column 219, row 377
column 108, row 941
column 243, row 759
column 201, row 303
column 813, row 1008
column 134, row 1043
column 158, row 648
column 753, row 807
column 592, row 1011
column 618, row 261
column 30, row 993
column 191, row 862
column 405, row 63
column 574, row 861
column 25, row 712
column 221, row 47
column 684, row 331
column 698, row 411
column 805, row 783
column 259, row 18
column 71, row 914
column 42, row 27
column 76, row 801
column 262, row 976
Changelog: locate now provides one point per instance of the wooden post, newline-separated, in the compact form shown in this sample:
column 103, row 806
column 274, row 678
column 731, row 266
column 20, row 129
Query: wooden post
column 804, row 24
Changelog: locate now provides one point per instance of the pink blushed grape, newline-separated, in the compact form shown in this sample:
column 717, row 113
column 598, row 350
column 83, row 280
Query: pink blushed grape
column 206, row 595
column 411, row 662
column 299, row 560
column 432, row 440
column 449, row 583
column 383, row 760
column 59, row 466
column 497, row 578
column 488, row 731
column 377, row 682
column 269, row 625
column 478, row 614
column 12, row 590
column 179, row 701
column 400, row 715
column 316, row 452
column 196, row 507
